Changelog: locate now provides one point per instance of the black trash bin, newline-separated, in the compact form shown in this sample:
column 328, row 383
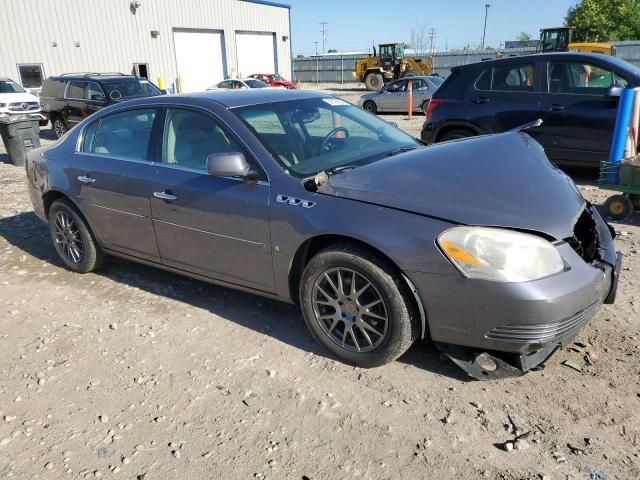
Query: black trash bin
column 20, row 135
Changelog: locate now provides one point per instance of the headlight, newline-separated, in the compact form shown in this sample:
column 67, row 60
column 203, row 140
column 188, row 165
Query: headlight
column 500, row 255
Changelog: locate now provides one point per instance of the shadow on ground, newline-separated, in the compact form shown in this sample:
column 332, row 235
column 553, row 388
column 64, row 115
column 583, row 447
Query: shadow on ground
column 278, row 320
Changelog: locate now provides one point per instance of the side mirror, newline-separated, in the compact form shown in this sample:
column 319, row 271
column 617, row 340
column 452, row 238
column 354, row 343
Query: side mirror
column 231, row 164
column 614, row 91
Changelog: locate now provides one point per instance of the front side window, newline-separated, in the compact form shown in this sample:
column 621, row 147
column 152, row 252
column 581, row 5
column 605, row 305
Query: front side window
column 7, row 86
column 396, row 87
column 581, row 78
column 256, row 84
column 75, row 89
column 31, row 75
column 125, row 135
column 190, row 137
column 322, row 134
column 94, row 92
column 419, row 85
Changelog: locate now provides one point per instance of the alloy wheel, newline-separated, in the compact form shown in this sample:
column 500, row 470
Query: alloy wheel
column 67, row 237
column 350, row 309
column 59, row 127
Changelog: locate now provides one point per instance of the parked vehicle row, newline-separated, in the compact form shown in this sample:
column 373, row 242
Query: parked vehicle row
column 68, row 99
column 15, row 100
column 304, row 198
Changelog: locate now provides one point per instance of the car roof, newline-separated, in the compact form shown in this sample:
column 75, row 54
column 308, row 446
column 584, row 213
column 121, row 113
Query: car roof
column 94, row 76
column 556, row 56
column 235, row 98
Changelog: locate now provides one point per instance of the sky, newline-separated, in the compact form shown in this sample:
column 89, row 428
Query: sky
column 354, row 25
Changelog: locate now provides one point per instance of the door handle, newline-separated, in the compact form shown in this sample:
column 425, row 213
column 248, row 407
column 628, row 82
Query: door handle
column 481, row 100
column 556, row 108
column 165, row 196
column 86, row 179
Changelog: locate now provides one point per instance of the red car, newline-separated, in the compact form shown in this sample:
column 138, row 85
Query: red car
column 274, row 80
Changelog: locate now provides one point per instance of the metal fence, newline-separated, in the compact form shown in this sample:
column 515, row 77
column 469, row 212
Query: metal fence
column 339, row 68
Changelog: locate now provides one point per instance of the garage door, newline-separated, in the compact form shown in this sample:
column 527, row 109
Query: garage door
column 199, row 58
column 256, row 53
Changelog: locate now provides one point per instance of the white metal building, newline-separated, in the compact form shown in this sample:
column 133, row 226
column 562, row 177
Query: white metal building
column 191, row 44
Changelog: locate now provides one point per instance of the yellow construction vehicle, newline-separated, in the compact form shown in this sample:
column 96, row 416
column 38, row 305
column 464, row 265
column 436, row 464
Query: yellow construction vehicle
column 560, row 39
column 391, row 64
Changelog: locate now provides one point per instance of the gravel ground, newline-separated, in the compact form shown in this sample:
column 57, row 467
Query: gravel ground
column 136, row 373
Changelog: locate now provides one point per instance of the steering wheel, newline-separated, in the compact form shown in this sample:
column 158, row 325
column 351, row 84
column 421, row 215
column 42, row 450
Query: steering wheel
column 327, row 139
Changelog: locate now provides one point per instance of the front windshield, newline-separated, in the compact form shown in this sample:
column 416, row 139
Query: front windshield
column 7, row 86
column 130, row 88
column 322, row 134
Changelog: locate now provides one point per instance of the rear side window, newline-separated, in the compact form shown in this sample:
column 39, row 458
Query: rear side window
column 508, row 78
column 125, row 135
column 52, row 88
column 76, row 89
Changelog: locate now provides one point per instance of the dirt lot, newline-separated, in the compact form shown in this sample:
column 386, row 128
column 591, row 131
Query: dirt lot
column 140, row 374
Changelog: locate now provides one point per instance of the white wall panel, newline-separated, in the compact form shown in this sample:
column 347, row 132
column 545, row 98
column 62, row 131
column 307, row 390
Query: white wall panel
column 105, row 35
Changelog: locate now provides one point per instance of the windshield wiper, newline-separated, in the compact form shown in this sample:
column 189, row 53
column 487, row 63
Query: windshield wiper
column 342, row 168
column 400, row 150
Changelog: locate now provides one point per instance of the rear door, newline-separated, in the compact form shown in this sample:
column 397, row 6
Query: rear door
column 578, row 116
column 212, row 226
column 75, row 102
column 504, row 96
column 421, row 92
column 111, row 178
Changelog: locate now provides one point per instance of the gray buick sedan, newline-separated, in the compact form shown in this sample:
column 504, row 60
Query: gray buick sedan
column 481, row 246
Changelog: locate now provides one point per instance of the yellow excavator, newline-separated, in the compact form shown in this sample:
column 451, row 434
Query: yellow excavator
column 390, row 64
column 560, row 39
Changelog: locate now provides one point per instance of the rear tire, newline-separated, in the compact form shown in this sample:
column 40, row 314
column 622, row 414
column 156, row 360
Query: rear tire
column 75, row 244
column 374, row 82
column 619, row 207
column 366, row 323
column 59, row 126
column 635, row 199
column 370, row 106
column 455, row 135
column 411, row 73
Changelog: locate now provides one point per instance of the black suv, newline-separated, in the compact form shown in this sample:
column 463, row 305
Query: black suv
column 69, row 98
column 575, row 94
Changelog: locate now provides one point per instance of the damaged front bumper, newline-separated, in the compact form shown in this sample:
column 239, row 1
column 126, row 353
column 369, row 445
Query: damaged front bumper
column 493, row 329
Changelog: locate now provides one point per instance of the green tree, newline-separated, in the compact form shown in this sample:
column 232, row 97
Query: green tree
column 605, row 20
column 524, row 38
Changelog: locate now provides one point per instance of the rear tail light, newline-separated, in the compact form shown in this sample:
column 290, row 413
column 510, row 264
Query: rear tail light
column 431, row 106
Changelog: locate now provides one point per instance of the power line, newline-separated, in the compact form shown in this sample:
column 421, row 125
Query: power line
column 324, row 32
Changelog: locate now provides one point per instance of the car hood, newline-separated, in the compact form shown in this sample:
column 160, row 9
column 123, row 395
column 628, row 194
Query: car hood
column 17, row 97
column 501, row 180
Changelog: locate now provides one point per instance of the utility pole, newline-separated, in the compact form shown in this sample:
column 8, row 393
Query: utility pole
column 432, row 37
column 486, row 14
column 324, row 32
column 317, row 65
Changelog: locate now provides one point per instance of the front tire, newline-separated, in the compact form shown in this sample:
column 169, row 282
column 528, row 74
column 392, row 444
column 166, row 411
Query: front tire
column 370, row 106
column 374, row 82
column 72, row 239
column 355, row 305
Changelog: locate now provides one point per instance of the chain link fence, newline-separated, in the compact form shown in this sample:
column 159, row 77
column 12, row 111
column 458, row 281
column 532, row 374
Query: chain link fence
column 336, row 68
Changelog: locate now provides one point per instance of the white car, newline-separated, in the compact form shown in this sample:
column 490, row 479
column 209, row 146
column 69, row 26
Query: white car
column 239, row 84
column 14, row 100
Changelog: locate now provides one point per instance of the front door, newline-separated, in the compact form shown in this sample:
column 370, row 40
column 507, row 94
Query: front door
column 111, row 181
column 394, row 96
column 212, row 226
column 504, row 97
column 578, row 116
